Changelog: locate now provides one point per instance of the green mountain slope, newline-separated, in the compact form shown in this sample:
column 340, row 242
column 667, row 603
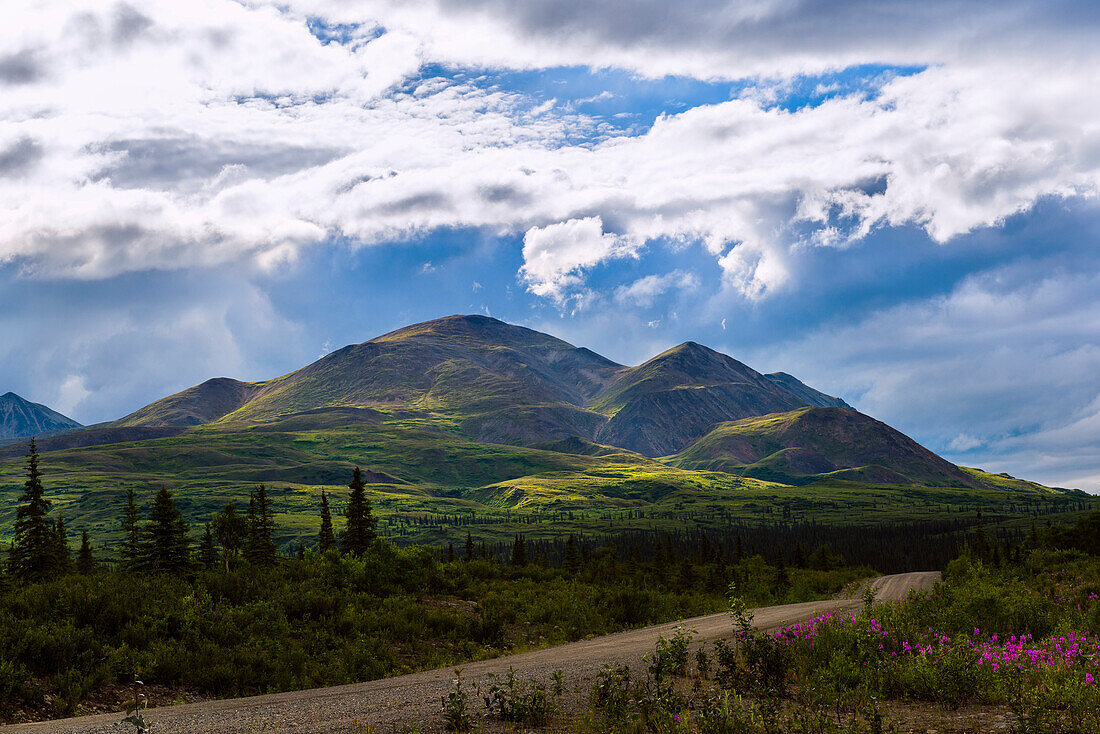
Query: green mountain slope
column 809, row 444
column 661, row 406
column 495, row 382
column 472, row 374
column 21, row 418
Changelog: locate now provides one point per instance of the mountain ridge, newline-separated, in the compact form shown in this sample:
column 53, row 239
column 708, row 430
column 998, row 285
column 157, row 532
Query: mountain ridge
column 20, row 418
column 502, row 383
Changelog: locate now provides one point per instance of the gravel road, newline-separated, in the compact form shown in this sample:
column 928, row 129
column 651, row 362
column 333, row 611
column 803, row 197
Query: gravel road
column 389, row 703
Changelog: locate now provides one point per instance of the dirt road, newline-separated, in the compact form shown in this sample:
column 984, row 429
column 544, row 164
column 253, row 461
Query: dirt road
column 415, row 699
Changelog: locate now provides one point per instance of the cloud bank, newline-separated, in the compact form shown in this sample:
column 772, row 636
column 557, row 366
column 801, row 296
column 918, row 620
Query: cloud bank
column 154, row 135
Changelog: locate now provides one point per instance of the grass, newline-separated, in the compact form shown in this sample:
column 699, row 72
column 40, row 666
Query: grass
column 508, row 489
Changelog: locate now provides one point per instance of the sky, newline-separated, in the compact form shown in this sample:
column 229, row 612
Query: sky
column 894, row 201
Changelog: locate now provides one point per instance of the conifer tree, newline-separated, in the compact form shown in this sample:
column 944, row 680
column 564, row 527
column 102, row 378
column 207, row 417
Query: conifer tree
column 301, row 551
column 62, row 558
column 230, row 529
column 85, row 562
column 450, row 552
column 165, row 547
column 572, row 563
column 131, row 532
column 35, row 544
column 260, row 547
column 519, row 551
column 359, row 534
column 326, row 540
column 208, row 552
column 469, row 547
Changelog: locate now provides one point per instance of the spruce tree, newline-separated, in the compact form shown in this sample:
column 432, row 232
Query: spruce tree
column 326, row 540
column 208, row 552
column 63, row 562
column 165, row 547
column 131, row 533
column 260, row 548
column 85, row 563
column 35, row 544
column 230, row 529
column 469, row 547
column 519, row 551
column 450, row 552
column 572, row 563
column 359, row 534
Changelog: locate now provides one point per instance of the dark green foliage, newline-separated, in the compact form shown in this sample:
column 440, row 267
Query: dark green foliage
column 1083, row 536
column 260, row 543
column 208, row 552
column 456, row 707
column 326, row 540
column 35, row 544
column 63, row 561
column 359, row 533
column 327, row 619
column 231, row 530
column 519, row 551
column 85, row 561
column 571, row 564
column 531, row 702
column 469, row 547
column 165, row 545
column 131, row 532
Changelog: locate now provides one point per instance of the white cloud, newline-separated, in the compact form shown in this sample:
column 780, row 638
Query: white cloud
column 555, row 256
column 70, row 395
column 644, row 291
column 160, row 135
column 1011, row 355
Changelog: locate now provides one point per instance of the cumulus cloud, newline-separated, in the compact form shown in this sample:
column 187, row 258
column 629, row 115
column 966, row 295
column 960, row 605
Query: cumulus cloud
column 171, row 136
column 555, row 256
column 644, row 291
column 1010, row 354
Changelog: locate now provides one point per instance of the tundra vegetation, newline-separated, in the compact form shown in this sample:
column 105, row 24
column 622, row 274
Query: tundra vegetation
column 218, row 609
column 1022, row 633
column 230, row 616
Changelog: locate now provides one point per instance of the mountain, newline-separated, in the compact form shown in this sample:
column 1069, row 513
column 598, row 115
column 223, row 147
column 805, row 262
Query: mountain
column 499, row 383
column 663, row 405
column 21, row 418
column 195, row 406
column 479, row 376
column 809, row 444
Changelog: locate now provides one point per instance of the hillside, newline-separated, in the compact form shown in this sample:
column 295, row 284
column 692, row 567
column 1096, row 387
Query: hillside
column 467, row 416
column 484, row 378
column 21, row 418
column 809, row 444
column 666, row 403
column 496, row 382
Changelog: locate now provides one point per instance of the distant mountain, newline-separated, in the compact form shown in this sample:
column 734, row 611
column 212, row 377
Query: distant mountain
column 661, row 406
column 482, row 377
column 195, row 406
column 500, row 383
column 810, row 444
column 21, row 418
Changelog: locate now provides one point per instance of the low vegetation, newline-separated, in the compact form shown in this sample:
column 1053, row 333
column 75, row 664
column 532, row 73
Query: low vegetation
column 228, row 616
column 1022, row 635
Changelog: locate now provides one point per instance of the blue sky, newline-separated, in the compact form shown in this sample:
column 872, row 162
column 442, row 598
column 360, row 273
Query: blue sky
column 897, row 205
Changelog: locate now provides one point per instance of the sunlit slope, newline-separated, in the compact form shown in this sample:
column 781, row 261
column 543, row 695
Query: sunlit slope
column 663, row 405
column 476, row 375
column 809, row 444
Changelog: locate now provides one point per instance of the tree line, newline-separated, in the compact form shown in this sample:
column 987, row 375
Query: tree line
column 39, row 550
